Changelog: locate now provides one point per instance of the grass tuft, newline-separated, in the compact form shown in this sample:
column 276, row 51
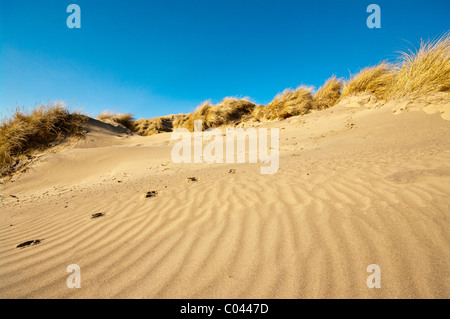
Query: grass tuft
column 286, row 104
column 146, row 127
column 26, row 132
column 423, row 71
column 375, row 80
column 329, row 94
column 228, row 112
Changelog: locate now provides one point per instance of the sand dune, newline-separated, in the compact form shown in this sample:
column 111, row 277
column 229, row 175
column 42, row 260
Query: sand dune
column 357, row 185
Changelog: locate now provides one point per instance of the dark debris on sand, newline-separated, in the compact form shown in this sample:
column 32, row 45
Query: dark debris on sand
column 97, row 215
column 151, row 194
column 29, row 243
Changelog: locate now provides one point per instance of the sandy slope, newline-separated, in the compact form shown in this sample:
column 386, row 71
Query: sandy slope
column 357, row 185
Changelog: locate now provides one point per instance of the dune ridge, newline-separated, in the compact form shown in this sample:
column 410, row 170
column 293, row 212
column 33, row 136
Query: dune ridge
column 354, row 188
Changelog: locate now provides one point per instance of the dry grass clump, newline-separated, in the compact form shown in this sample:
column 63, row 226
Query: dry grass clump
column 375, row 80
column 126, row 119
column 229, row 111
column 179, row 120
column 26, row 132
column 417, row 73
column 329, row 94
column 423, row 71
column 258, row 113
column 286, row 104
column 146, row 127
column 201, row 113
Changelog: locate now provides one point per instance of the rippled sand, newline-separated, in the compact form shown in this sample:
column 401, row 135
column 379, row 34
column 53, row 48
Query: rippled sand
column 356, row 186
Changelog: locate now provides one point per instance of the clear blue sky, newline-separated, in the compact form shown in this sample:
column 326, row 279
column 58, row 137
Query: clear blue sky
column 156, row 57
